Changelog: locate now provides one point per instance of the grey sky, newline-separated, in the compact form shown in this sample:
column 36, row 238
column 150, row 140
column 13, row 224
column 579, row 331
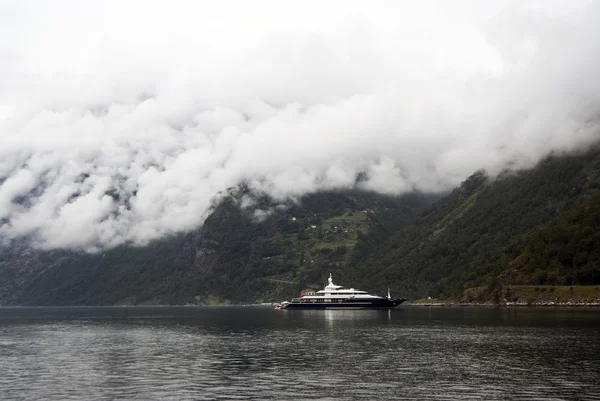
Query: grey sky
column 121, row 121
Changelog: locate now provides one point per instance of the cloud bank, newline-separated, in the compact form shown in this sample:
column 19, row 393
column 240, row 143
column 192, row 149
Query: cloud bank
column 122, row 121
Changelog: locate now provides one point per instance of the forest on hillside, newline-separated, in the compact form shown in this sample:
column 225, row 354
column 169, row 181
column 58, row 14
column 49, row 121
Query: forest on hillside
column 529, row 227
column 537, row 226
column 237, row 256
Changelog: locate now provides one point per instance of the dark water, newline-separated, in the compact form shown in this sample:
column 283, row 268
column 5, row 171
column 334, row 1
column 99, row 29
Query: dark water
column 260, row 353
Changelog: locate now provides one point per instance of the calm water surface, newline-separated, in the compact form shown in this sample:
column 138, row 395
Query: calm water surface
column 234, row 353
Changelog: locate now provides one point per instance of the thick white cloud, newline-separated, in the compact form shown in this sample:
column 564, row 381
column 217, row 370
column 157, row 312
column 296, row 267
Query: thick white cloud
column 122, row 121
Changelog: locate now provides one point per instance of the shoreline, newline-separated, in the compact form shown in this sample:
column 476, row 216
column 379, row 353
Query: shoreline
column 448, row 304
column 507, row 305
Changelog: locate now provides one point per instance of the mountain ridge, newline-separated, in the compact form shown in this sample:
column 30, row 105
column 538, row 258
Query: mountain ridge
column 232, row 258
column 470, row 237
column 538, row 226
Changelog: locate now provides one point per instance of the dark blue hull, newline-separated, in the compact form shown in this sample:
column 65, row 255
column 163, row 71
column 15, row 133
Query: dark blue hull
column 354, row 304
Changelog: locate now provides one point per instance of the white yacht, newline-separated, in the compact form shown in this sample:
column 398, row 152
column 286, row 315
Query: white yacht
column 337, row 297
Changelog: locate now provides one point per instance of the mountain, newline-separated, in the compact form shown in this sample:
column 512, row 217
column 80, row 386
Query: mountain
column 490, row 239
column 265, row 252
column 532, row 227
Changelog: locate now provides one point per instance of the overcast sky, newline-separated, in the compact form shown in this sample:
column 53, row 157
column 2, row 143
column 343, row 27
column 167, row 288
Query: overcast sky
column 122, row 121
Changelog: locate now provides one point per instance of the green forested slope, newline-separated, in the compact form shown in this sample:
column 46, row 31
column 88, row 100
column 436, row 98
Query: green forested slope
column 298, row 246
column 537, row 226
column 565, row 251
column 232, row 258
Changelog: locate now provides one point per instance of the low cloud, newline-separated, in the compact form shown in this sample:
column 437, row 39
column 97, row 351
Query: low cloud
column 123, row 122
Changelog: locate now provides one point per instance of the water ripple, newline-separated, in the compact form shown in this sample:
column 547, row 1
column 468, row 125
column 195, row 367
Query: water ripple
column 257, row 353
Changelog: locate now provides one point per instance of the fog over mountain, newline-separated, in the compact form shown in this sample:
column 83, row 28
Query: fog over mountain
column 123, row 121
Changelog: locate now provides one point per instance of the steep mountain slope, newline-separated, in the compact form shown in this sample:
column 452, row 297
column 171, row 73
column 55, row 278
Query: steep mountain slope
column 265, row 252
column 534, row 227
column 538, row 226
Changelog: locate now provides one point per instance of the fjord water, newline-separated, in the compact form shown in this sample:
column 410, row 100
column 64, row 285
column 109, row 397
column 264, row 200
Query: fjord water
column 205, row 353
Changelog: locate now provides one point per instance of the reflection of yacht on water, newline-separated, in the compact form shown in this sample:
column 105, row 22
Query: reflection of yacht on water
column 337, row 297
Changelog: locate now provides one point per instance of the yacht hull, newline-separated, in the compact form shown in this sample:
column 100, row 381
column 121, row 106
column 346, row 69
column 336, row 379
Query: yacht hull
column 354, row 304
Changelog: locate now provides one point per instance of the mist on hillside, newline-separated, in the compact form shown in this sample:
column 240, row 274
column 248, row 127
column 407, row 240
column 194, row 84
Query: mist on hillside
column 124, row 122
